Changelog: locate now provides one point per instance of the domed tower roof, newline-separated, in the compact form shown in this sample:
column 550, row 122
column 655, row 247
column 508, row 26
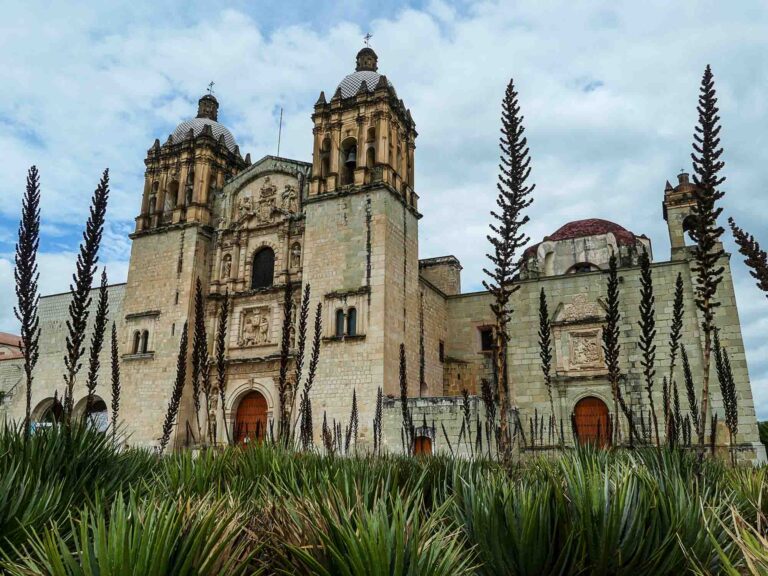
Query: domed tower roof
column 365, row 71
column 591, row 227
column 207, row 115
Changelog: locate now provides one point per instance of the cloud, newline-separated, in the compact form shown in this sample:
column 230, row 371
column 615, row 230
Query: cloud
column 608, row 91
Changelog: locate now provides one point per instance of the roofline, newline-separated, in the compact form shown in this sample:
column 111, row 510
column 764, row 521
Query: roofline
column 92, row 290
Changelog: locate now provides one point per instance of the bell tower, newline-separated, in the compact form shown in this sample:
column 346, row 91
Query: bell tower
column 678, row 206
column 171, row 249
column 362, row 240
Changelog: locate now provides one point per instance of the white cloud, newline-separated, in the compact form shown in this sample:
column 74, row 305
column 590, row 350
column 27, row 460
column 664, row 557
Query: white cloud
column 608, row 91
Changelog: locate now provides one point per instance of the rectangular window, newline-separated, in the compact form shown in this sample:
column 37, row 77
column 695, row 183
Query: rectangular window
column 441, row 351
column 486, row 338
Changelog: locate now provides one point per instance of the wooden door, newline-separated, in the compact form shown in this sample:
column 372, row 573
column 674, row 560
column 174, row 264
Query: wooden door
column 592, row 422
column 422, row 445
column 251, row 419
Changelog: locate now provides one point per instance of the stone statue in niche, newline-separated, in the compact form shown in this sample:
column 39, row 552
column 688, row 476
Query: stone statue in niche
column 585, row 349
column 296, row 255
column 290, row 199
column 254, row 327
column 268, row 190
column 245, row 206
column 226, row 267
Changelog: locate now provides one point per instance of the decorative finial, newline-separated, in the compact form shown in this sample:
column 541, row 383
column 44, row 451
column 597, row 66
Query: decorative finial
column 367, row 39
column 210, row 88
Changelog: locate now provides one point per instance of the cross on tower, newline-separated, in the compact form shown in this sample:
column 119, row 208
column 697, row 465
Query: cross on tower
column 367, row 39
column 210, row 88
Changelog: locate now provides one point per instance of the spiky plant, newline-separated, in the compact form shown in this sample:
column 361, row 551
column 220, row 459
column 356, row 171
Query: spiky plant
column 283, row 386
column 97, row 342
column 354, row 420
column 647, row 325
column 727, row 389
column 301, row 343
column 507, row 239
column 26, row 276
column 221, row 359
column 489, row 404
column 705, row 232
column 306, row 426
column 407, row 419
column 80, row 291
column 467, row 417
column 612, row 348
column 178, row 389
column 675, row 335
column 115, row 361
column 690, row 389
column 327, row 435
column 545, row 350
column 377, row 422
column 422, row 355
column 199, row 352
column 756, row 257
column 678, row 413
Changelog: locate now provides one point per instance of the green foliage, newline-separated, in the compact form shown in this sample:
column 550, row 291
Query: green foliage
column 72, row 503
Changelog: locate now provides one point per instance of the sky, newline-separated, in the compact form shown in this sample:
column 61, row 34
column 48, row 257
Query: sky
column 608, row 90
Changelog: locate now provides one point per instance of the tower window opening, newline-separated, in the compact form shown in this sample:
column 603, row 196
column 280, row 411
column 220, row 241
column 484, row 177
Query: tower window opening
column 263, row 273
column 144, row 341
column 441, row 351
column 339, row 323
column 136, row 342
column 486, row 338
column 352, row 322
column 173, row 195
column 349, row 161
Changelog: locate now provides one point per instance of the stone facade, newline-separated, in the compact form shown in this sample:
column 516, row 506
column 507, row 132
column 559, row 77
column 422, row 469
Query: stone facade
column 346, row 225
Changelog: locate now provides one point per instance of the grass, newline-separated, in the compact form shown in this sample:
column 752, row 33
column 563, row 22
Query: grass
column 71, row 504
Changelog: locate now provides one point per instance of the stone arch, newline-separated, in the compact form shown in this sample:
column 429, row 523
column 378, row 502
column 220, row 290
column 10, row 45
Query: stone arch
column 172, row 196
column 263, row 268
column 262, row 386
column 348, row 160
column 592, row 419
column 98, row 415
column 47, row 412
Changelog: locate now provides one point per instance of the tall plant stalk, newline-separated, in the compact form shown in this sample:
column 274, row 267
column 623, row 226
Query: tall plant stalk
column 507, row 239
column 301, row 344
column 306, row 426
column 97, row 343
column 545, row 351
column 612, row 348
column 727, row 390
column 199, row 353
column 756, row 257
column 690, row 389
column 26, row 276
column 648, row 334
column 407, row 419
column 115, row 365
column 80, row 290
column 178, row 389
column 675, row 333
column 221, row 360
column 283, row 386
column 705, row 231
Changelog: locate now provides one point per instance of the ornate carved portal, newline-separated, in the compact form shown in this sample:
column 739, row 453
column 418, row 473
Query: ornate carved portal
column 254, row 327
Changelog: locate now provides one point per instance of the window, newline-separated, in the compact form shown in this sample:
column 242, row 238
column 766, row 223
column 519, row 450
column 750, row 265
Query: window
column 352, row 322
column 263, row 268
column 136, row 341
column 486, row 338
column 339, row 323
column 348, row 161
column 441, row 351
column 172, row 198
column 144, row 341
column 581, row 268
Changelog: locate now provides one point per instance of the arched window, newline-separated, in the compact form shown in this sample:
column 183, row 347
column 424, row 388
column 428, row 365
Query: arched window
column 136, row 341
column 152, row 204
column 689, row 224
column 263, row 273
column 582, row 267
column 348, row 161
column 97, row 417
column 352, row 322
column 172, row 198
column 339, row 323
column 144, row 341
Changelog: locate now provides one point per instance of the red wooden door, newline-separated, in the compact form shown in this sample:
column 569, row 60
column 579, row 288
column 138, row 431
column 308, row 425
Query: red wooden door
column 422, row 445
column 592, row 422
column 251, row 419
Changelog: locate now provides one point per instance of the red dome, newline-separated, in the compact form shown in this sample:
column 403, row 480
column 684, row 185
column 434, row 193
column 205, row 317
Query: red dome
column 588, row 227
column 592, row 227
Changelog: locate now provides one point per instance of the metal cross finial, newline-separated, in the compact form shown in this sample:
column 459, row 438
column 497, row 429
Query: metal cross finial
column 367, row 39
column 210, row 88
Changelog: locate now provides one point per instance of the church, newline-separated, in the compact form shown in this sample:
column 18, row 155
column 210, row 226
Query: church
column 347, row 224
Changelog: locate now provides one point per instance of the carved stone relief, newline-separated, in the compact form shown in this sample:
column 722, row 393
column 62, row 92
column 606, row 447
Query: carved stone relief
column 254, row 327
column 580, row 308
column 585, row 349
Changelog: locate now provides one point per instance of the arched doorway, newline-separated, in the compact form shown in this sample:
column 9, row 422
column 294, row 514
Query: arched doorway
column 47, row 413
column 251, row 418
column 422, row 445
column 592, row 422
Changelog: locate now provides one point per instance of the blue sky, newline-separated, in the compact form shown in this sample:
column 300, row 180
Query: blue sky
column 608, row 90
